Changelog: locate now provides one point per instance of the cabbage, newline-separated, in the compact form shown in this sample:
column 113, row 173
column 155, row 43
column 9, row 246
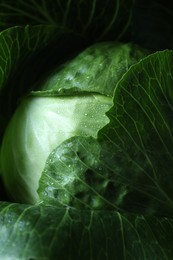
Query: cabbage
column 86, row 143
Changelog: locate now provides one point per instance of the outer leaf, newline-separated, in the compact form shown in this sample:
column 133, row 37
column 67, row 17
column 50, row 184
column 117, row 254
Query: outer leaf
column 92, row 19
column 36, row 232
column 17, row 43
column 138, row 142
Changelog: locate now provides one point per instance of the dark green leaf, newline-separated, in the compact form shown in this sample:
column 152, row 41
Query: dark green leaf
column 138, row 141
column 92, row 19
column 37, row 232
column 97, row 69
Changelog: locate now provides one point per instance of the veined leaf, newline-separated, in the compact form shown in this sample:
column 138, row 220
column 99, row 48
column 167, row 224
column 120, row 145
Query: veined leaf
column 139, row 138
column 43, row 232
column 93, row 19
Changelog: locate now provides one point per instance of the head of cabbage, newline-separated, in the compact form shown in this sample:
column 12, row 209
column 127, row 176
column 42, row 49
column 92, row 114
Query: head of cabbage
column 72, row 101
